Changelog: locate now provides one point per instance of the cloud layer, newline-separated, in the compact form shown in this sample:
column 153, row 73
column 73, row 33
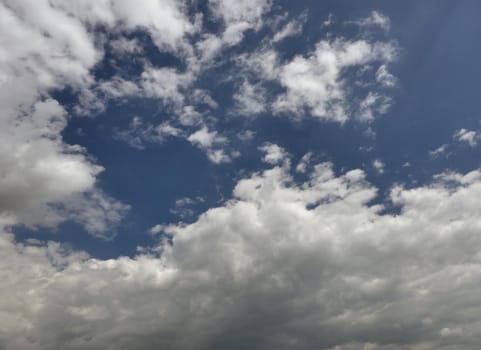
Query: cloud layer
column 292, row 261
column 282, row 265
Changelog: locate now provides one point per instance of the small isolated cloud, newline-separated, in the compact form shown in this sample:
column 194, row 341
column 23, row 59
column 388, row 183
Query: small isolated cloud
column 379, row 166
column 441, row 150
column 274, row 154
column 139, row 134
column 246, row 135
column 210, row 141
column 375, row 19
column 468, row 136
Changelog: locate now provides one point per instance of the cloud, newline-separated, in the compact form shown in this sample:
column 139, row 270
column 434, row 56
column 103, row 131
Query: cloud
column 166, row 84
column 315, row 84
column 274, row 154
column 139, row 134
column 210, row 141
column 468, row 136
column 304, row 163
column 165, row 20
column 375, row 19
column 439, row 151
column 281, row 265
column 239, row 16
column 45, row 181
column 250, row 99
column 378, row 166
column 384, row 77
column 292, row 28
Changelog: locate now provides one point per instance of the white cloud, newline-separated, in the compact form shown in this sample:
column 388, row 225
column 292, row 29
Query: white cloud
column 292, row 28
column 274, row 154
column 376, row 19
column 304, row 163
column 42, row 175
column 263, row 63
column 166, row 84
column 126, row 46
column 210, row 141
column 250, row 99
column 205, row 138
column 239, row 16
column 311, row 265
column 139, row 134
column 378, row 166
column 165, row 20
column 372, row 105
column 384, row 77
column 246, row 135
column 439, row 151
column 315, row 82
column 469, row 136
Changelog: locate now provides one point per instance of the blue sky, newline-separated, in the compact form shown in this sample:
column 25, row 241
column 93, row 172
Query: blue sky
column 240, row 174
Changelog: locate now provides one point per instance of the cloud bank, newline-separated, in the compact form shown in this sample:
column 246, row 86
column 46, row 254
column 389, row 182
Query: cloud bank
column 282, row 265
column 286, row 263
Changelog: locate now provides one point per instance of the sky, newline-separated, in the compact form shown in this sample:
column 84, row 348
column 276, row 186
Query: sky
column 240, row 174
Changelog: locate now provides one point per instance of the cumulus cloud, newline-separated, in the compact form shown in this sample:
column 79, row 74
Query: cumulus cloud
column 468, row 136
column 378, row 166
column 281, row 265
column 274, row 154
column 317, row 84
column 210, row 141
column 250, row 99
column 40, row 172
column 304, row 162
column 384, row 77
column 239, row 16
column 165, row 20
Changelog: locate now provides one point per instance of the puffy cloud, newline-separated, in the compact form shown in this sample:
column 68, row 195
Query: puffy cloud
column 250, row 99
column 304, row 162
column 166, row 84
column 315, row 83
column 45, row 181
column 328, row 83
column 469, row 136
column 239, row 16
column 378, row 166
column 274, row 154
column 210, row 141
column 165, row 20
column 281, row 265
column 292, row 28
column 384, row 77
